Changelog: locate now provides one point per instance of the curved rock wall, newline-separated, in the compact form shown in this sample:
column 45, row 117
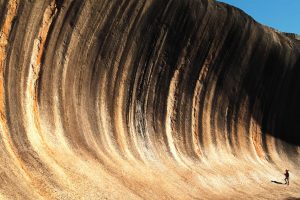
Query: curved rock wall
column 145, row 99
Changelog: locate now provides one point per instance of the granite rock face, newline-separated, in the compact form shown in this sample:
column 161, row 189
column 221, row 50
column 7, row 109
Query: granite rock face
column 145, row 99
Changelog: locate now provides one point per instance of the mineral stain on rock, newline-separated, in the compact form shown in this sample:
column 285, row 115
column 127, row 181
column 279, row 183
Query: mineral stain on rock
column 146, row 99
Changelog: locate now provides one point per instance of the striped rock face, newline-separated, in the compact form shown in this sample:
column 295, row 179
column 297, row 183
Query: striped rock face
column 146, row 99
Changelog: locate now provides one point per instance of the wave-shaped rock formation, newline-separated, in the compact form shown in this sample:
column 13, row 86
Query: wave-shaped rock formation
column 145, row 99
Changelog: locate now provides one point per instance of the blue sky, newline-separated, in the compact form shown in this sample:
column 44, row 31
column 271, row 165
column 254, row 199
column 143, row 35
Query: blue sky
column 283, row 15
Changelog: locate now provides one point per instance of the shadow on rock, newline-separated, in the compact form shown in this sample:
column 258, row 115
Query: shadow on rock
column 277, row 182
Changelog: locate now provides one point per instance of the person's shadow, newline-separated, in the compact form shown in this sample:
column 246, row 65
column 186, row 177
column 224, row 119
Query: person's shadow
column 277, row 182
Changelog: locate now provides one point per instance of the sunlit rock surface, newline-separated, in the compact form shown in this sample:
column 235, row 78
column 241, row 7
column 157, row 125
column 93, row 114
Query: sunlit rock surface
column 145, row 99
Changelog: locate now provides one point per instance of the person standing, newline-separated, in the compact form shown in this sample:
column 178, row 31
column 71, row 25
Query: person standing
column 287, row 177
